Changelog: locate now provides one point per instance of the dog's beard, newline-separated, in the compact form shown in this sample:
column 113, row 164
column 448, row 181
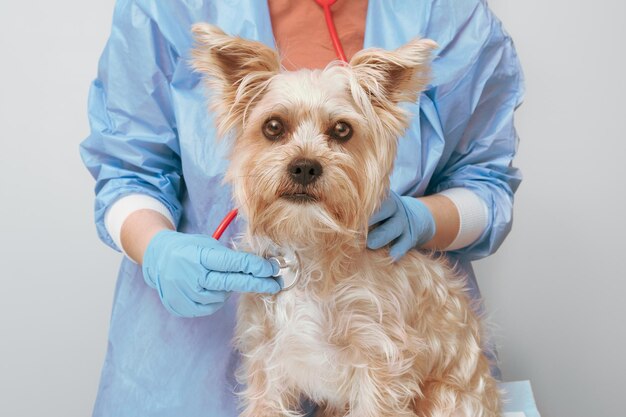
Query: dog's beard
column 306, row 223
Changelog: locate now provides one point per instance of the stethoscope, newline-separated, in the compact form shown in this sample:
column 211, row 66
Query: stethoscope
column 289, row 271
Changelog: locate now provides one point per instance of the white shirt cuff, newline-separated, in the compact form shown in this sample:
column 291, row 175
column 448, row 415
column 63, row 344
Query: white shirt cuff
column 117, row 213
column 473, row 215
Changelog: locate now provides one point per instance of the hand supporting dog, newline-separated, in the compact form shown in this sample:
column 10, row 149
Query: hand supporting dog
column 194, row 274
column 404, row 219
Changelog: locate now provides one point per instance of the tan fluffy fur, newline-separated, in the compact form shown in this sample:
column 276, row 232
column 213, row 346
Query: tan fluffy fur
column 359, row 334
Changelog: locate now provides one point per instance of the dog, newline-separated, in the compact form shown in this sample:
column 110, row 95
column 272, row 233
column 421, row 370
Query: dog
column 312, row 152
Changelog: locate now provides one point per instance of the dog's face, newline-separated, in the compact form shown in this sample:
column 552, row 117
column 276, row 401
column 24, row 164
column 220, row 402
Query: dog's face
column 313, row 150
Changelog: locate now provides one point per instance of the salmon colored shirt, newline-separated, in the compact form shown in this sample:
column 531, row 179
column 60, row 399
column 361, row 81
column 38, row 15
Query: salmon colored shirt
column 302, row 36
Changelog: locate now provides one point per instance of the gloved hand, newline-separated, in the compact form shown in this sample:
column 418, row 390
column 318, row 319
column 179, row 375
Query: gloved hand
column 404, row 219
column 195, row 274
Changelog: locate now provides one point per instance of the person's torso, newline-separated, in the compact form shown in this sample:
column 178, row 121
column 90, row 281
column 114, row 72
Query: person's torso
column 196, row 354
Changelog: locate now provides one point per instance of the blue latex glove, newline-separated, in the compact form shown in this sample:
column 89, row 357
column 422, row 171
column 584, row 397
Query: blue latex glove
column 405, row 220
column 195, row 274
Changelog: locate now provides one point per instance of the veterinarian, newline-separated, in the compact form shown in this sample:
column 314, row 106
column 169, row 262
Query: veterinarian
column 159, row 191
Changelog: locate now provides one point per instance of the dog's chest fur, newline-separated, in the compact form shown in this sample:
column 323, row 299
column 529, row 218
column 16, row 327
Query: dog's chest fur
column 317, row 340
column 310, row 358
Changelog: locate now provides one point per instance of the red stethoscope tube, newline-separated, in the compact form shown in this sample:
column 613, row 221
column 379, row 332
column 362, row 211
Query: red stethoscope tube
column 324, row 4
column 224, row 224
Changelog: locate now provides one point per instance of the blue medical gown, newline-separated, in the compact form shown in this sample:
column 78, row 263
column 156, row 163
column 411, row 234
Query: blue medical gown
column 151, row 133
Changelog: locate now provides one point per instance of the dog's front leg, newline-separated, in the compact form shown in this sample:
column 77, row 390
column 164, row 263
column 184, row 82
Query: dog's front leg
column 266, row 393
column 265, row 396
column 377, row 394
column 378, row 374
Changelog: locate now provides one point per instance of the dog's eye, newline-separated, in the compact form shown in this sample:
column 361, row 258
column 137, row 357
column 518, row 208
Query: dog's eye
column 273, row 129
column 341, row 131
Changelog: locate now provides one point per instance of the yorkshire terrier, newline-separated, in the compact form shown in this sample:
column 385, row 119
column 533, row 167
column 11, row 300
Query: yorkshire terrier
column 358, row 334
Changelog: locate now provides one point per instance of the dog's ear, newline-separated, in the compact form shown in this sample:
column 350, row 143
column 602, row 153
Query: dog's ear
column 391, row 77
column 236, row 72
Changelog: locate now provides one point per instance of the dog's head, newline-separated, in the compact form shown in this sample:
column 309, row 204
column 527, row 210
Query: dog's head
column 313, row 149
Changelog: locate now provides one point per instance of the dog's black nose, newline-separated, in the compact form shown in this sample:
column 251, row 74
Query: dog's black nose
column 304, row 171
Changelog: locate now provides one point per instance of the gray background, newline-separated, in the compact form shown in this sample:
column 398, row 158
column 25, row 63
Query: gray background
column 555, row 290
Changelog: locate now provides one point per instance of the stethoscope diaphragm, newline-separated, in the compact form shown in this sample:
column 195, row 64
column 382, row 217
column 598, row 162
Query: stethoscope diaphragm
column 288, row 271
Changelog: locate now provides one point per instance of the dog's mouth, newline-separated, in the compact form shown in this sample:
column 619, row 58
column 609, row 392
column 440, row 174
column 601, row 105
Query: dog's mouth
column 302, row 198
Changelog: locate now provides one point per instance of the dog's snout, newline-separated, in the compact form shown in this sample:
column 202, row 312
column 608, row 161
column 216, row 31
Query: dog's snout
column 304, row 171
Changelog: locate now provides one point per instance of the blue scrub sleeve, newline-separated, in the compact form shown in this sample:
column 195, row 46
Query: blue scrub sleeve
column 476, row 109
column 133, row 146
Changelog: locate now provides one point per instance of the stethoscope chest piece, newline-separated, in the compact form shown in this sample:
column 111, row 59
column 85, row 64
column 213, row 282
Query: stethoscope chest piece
column 288, row 271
